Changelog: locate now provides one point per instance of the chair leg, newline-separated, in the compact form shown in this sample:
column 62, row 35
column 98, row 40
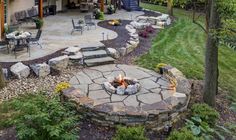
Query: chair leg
column 72, row 31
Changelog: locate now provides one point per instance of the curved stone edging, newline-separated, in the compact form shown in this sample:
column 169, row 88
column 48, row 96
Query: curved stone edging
column 153, row 115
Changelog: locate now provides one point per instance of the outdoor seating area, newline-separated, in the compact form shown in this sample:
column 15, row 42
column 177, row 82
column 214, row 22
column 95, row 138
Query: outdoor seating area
column 56, row 34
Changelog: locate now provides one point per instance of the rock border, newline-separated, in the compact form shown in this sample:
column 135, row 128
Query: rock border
column 110, row 114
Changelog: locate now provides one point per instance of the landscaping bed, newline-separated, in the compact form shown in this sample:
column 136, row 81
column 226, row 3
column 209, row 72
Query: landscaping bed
column 123, row 35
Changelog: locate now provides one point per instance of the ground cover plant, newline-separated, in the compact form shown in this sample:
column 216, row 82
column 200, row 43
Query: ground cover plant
column 39, row 117
column 130, row 133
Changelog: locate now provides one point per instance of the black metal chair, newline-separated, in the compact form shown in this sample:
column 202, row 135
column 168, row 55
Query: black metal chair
column 6, row 44
column 36, row 39
column 76, row 28
column 89, row 21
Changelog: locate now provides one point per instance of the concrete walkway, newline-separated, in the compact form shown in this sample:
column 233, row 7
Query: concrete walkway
column 56, row 34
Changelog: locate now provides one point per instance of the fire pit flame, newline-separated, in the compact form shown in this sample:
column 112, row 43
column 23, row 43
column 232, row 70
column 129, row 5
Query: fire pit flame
column 122, row 85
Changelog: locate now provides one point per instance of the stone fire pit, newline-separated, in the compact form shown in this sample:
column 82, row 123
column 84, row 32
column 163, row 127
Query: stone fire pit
column 154, row 103
column 122, row 85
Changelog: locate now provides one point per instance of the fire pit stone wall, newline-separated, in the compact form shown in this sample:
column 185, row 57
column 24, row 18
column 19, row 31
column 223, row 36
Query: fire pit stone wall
column 154, row 106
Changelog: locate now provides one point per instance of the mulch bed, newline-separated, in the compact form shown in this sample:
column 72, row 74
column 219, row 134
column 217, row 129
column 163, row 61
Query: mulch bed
column 123, row 34
column 34, row 61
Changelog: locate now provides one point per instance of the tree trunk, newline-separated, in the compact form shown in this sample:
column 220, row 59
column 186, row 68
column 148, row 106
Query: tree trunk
column 211, row 56
column 2, row 80
column 170, row 7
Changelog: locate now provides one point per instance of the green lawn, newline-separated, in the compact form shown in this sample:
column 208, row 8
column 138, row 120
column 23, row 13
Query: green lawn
column 182, row 45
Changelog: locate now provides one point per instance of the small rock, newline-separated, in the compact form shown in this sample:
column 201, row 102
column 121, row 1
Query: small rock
column 181, row 97
column 41, row 70
column 120, row 90
column 131, row 89
column 123, row 51
column 20, row 70
column 59, row 63
column 113, row 52
column 109, row 87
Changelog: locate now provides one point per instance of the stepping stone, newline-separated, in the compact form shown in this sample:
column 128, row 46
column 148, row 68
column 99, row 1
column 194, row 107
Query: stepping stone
column 92, row 48
column 99, row 61
column 94, row 54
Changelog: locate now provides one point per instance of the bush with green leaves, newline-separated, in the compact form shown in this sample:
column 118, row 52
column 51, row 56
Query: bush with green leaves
column 130, row 133
column 206, row 113
column 39, row 117
column 183, row 134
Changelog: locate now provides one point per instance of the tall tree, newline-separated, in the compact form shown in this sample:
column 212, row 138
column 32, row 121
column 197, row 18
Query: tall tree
column 2, row 80
column 170, row 7
column 219, row 15
column 211, row 54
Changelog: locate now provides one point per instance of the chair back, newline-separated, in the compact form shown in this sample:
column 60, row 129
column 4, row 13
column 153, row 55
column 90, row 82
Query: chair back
column 73, row 23
column 38, row 35
column 87, row 18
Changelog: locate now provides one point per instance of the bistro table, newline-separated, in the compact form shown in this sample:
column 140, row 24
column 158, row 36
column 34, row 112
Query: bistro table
column 19, row 40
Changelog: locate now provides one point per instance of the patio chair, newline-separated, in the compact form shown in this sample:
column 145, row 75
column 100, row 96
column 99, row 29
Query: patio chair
column 89, row 21
column 5, row 44
column 76, row 28
column 36, row 39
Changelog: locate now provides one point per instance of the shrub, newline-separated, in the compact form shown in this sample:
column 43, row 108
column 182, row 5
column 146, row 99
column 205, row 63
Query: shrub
column 183, row 134
column 130, row 133
column 159, row 67
column 143, row 34
column 150, row 29
column 206, row 113
column 61, row 86
column 98, row 14
column 38, row 22
column 38, row 117
column 111, row 9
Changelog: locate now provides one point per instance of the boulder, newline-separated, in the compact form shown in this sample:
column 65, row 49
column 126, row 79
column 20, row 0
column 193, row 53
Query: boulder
column 20, row 70
column 142, row 19
column 41, row 70
column 139, row 25
column 59, row 63
column 113, row 53
column 5, row 73
column 152, row 20
column 71, row 51
column 122, row 51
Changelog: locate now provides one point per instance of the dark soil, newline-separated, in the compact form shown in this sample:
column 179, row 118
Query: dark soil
column 123, row 34
column 150, row 13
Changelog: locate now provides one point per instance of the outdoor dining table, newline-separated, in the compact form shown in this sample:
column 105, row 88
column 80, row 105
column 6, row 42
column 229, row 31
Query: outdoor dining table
column 19, row 40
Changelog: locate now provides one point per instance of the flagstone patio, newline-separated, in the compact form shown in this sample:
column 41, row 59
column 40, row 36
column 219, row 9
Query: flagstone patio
column 56, row 34
column 156, row 102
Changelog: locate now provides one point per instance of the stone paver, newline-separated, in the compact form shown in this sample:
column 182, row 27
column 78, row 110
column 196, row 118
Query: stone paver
column 134, row 72
column 83, row 78
column 149, row 98
column 131, row 101
column 148, row 84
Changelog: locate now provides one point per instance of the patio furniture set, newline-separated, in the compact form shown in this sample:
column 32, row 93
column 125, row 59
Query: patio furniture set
column 18, row 40
column 88, row 22
column 24, row 16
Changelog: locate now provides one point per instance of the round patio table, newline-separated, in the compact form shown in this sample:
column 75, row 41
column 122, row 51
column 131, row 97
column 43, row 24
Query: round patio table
column 19, row 39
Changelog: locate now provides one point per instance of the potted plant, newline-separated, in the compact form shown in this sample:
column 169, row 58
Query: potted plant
column 38, row 22
column 111, row 9
column 98, row 14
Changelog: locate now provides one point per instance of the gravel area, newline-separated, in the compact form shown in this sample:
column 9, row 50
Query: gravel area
column 16, row 87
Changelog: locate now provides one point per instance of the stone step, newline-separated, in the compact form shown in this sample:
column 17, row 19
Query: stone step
column 99, row 61
column 94, row 54
column 93, row 48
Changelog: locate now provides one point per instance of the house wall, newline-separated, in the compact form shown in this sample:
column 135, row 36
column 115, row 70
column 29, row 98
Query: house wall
column 18, row 5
